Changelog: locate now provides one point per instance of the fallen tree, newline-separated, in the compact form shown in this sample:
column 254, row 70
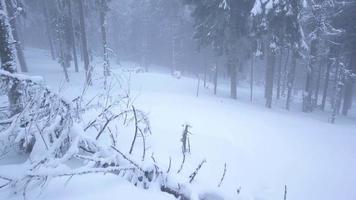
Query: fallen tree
column 50, row 130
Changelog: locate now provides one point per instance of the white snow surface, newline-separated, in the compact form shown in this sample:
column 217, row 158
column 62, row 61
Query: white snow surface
column 264, row 149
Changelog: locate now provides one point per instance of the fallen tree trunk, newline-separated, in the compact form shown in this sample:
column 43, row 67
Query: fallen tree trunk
column 55, row 138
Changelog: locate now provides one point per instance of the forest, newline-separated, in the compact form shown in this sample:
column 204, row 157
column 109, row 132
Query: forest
column 178, row 99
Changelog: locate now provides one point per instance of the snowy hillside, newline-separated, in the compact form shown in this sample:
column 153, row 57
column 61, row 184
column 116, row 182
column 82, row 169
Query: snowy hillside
column 264, row 150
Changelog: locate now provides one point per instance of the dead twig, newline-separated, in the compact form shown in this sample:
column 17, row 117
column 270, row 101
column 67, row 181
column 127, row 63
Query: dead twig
column 126, row 158
column 105, row 125
column 223, row 176
column 193, row 175
column 136, row 130
column 169, row 165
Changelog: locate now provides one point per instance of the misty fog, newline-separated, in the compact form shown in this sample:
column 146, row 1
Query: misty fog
column 178, row 99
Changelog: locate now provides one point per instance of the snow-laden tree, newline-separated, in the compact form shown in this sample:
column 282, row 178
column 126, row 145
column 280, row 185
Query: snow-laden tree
column 344, row 20
column 15, row 10
column 103, row 6
column 222, row 24
column 279, row 26
column 8, row 57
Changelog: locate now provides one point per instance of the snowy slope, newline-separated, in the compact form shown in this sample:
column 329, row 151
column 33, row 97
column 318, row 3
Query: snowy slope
column 264, row 149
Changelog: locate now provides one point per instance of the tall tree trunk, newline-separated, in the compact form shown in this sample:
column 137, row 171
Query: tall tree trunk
column 336, row 78
column 327, row 79
column 291, row 78
column 271, row 61
column 308, row 91
column 317, row 84
column 349, row 83
column 285, row 74
column 19, row 51
column 338, row 93
column 205, row 67
column 103, row 10
column 84, row 42
column 48, row 29
column 233, row 78
column 71, row 26
column 279, row 75
column 7, row 47
column 62, row 33
column 216, row 74
column 347, row 96
column 8, row 58
column 251, row 76
column 173, row 47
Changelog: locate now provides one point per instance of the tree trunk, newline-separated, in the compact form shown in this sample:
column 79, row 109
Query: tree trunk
column 290, row 79
column 271, row 61
column 233, row 78
column 103, row 10
column 7, row 47
column 48, row 29
column 84, row 42
column 62, row 35
column 251, row 77
column 338, row 93
column 216, row 73
column 349, row 83
column 8, row 58
column 173, row 47
column 317, row 85
column 205, row 71
column 347, row 96
column 75, row 57
column 308, row 91
column 336, row 79
column 327, row 79
column 19, row 51
column 279, row 75
column 284, row 80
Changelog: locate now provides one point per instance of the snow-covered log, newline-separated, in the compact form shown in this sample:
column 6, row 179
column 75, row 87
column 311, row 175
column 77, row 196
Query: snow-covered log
column 48, row 129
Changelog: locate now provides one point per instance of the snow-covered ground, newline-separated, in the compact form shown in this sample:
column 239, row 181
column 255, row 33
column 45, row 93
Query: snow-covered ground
column 264, row 149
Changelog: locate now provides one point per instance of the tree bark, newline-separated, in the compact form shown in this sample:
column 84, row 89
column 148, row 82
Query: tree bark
column 62, row 35
column 336, row 78
column 75, row 57
column 347, row 96
column 84, row 42
column 19, row 51
column 290, row 79
column 317, row 85
column 327, row 79
column 205, row 71
column 251, row 76
column 338, row 93
column 279, row 75
column 233, row 79
column 308, row 91
column 103, row 10
column 48, row 29
column 349, row 83
column 271, row 61
column 7, row 47
column 8, row 58
column 216, row 74
column 284, row 80
column 173, row 47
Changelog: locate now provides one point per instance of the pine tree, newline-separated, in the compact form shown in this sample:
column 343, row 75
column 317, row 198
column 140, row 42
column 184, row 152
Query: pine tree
column 103, row 9
column 8, row 57
column 222, row 24
column 278, row 25
column 83, row 37
column 15, row 9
